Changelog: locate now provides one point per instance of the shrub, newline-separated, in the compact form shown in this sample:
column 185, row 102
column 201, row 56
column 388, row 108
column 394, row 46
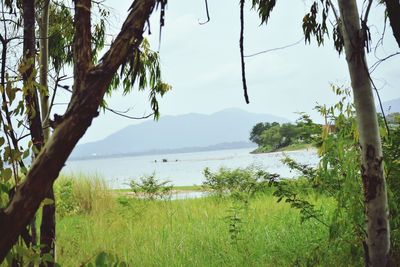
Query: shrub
column 82, row 195
column 236, row 182
column 150, row 188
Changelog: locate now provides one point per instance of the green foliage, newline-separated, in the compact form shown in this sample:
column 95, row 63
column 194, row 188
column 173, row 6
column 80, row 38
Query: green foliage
column 314, row 22
column 338, row 177
column 264, row 9
column 273, row 136
column 81, row 195
column 105, row 259
column 143, row 69
column 66, row 203
column 391, row 152
column 151, row 188
column 20, row 255
column 238, row 183
column 311, row 26
column 61, row 33
column 258, row 129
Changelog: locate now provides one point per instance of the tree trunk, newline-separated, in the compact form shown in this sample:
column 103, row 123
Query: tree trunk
column 48, row 225
column 375, row 197
column 44, row 66
column 48, row 230
column 31, row 98
column 393, row 12
column 71, row 127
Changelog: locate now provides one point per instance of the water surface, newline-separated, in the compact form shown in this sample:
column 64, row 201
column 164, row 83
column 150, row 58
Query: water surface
column 185, row 168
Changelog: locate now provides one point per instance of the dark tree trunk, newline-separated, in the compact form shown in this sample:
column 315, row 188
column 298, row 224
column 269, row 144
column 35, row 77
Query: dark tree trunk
column 393, row 11
column 48, row 229
column 48, row 225
column 71, row 127
column 31, row 98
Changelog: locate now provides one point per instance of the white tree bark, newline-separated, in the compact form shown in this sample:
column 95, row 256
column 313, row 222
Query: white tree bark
column 375, row 196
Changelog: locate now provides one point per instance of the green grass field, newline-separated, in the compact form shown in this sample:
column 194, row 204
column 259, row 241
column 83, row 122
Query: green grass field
column 193, row 232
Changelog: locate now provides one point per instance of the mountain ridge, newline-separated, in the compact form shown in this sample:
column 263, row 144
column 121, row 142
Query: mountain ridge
column 174, row 132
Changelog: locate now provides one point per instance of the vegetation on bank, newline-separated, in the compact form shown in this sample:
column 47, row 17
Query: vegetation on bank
column 272, row 137
column 193, row 232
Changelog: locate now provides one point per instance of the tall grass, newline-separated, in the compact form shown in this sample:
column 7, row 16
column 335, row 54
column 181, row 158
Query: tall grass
column 192, row 232
column 82, row 194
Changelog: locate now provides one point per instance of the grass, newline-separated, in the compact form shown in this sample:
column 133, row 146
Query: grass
column 188, row 188
column 292, row 147
column 192, row 232
column 82, row 194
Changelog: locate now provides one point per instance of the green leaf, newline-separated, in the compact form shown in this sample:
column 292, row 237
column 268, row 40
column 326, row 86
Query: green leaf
column 102, row 259
column 10, row 92
column 7, row 174
column 26, row 154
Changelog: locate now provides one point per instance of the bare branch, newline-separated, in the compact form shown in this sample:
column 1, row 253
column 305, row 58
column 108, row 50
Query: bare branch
column 380, row 61
column 246, row 97
column 276, row 48
column 119, row 113
column 207, row 13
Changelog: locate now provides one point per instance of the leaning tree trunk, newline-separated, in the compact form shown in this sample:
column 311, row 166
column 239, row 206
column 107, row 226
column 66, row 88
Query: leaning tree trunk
column 48, row 225
column 375, row 197
column 86, row 98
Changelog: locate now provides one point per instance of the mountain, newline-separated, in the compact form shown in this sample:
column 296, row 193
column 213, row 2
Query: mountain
column 178, row 132
column 390, row 106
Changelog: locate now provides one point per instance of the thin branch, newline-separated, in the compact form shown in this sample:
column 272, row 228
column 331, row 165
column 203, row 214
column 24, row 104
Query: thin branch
column 246, row 97
column 367, row 11
column 24, row 136
column 377, row 94
column 335, row 13
column 376, row 64
column 119, row 113
column 207, row 13
column 276, row 48
column 58, row 79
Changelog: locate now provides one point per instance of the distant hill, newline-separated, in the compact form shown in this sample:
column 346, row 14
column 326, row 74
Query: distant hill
column 390, row 106
column 189, row 132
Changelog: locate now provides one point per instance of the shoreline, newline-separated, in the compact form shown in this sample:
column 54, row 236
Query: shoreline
column 286, row 149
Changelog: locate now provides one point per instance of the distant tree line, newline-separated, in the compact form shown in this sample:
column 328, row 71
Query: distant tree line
column 273, row 136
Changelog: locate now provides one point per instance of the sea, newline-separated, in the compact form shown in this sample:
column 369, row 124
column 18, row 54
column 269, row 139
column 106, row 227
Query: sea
column 185, row 169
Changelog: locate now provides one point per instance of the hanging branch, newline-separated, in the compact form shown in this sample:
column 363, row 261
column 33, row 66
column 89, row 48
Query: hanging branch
column 276, row 48
column 121, row 113
column 208, row 14
column 376, row 64
column 116, row 112
column 379, row 99
column 246, row 97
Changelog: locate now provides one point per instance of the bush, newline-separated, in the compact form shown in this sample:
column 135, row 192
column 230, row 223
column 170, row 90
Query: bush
column 246, row 181
column 82, row 195
column 150, row 188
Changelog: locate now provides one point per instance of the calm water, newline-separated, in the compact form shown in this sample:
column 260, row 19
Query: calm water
column 185, row 168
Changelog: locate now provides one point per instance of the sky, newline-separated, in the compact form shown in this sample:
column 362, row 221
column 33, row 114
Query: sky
column 202, row 63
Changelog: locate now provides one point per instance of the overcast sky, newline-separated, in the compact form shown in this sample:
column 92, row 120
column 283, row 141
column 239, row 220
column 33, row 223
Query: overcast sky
column 202, row 63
